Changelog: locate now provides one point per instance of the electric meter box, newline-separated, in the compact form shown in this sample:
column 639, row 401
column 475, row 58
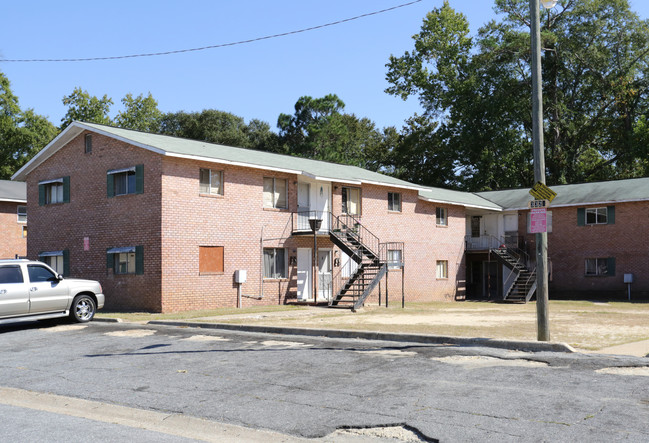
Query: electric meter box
column 240, row 276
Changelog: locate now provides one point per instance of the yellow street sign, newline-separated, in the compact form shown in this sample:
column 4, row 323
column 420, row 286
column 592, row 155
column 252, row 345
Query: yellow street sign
column 542, row 192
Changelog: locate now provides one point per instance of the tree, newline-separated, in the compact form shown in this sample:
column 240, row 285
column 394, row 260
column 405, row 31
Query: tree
column 478, row 91
column 219, row 127
column 22, row 133
column 320, row 130
column 86, row 108
column 140, row 113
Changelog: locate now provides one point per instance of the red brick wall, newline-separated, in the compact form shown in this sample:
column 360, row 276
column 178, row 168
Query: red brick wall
column 171, row 220
column 128, row 220
column 569, row 245
column 425, row 242
column 12, row 241
column 235, row 221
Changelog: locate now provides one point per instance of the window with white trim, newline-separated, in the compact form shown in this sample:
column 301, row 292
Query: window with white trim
column 441, row 218
column 126, row 260
column 211, row 182
column 394, row 258
column 351, row 198
column 442, row 269
column 600, row 267
column 394, row 201
column 596, row 216
column 57, row 260
column 275, row 264
column 125, row 181
column 54, row 191
column 22, row 214
column 275, row 192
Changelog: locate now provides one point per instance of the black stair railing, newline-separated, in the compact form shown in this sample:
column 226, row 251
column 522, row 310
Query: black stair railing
column 349, row 229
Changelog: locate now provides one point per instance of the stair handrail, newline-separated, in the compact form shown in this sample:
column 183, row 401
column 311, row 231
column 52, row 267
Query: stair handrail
column 385, row 247
column 300, row 220
column 349, row 224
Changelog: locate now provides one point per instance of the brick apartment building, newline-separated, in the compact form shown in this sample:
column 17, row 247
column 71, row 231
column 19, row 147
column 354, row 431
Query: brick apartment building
column 13, row 219
column 165, row 224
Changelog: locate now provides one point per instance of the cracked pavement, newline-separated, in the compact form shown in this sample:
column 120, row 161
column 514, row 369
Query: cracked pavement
column 308, row 387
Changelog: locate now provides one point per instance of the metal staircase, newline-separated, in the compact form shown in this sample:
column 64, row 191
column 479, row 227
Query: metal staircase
column 524, row 285
column 364, row 248
column 351, row 285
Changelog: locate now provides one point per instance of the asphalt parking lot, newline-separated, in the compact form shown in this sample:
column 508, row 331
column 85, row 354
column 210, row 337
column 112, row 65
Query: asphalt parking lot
column 309, row 387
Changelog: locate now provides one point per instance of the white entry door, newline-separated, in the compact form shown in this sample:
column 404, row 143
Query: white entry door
column 304, row 270
column 303, row 205
column 322, row 203
column 324, row 275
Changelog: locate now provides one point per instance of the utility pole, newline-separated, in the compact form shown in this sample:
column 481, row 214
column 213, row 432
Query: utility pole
column 543, row 327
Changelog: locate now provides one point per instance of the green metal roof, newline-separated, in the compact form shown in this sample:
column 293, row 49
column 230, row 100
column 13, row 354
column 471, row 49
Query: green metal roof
column 467, row 199
column 184, row 148
column 616, row 191
column 13, row 191
column 567, row 195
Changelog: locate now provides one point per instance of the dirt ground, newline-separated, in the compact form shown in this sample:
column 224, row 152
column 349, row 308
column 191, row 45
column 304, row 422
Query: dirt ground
column 587, row 326
column 613, row 327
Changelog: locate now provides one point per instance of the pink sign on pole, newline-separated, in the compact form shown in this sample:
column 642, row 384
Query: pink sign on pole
column 538, row 220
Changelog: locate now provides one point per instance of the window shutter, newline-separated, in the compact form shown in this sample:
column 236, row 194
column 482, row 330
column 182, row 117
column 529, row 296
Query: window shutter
column 139, row 260
column 610, row 266
column 610, row 215
column 109, row 259
column 581, row 216
column 110, row 185
column 66, row 189
column 41, row 195
column 139, row 179
column 66, row 263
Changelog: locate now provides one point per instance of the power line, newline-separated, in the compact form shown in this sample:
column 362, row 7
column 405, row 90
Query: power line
column 222, row 45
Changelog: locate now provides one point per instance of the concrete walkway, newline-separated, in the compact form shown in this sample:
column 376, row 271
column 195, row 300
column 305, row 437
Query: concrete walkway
column 637, row 349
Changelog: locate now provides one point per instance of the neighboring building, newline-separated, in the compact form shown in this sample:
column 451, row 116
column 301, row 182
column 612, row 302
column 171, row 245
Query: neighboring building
column 165, row 224
column 13, row 219
column 597, row 234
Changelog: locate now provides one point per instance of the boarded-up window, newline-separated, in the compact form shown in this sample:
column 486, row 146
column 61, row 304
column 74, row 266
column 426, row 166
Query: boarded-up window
column 210, row 259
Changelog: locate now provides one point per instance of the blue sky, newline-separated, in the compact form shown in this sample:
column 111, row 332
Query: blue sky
column 256, row 80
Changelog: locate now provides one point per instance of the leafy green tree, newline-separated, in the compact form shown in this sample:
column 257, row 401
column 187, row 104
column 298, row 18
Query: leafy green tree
column 140, row 113
column 84, row 107
column 478, row 91
column 319, row 129
column 22, row 133
column 219, row 127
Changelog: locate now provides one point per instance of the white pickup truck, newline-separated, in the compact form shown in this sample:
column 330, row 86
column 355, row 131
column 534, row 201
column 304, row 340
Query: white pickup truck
column 32, row 290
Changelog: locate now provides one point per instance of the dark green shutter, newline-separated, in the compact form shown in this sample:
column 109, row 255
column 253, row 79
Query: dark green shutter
column 41, row 195
column 581, row 216
column 109, row 259
column 110, row 185
column 610, row 266
column 139, row 260
column 66, row 263
column 66, row 189
column 139, row 179
column 610, row 215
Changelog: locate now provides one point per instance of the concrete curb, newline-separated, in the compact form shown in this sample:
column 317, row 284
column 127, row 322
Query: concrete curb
column 108, row 320
column 515, row 345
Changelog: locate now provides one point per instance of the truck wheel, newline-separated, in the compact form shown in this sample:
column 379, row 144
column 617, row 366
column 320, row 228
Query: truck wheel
column 82, row 309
